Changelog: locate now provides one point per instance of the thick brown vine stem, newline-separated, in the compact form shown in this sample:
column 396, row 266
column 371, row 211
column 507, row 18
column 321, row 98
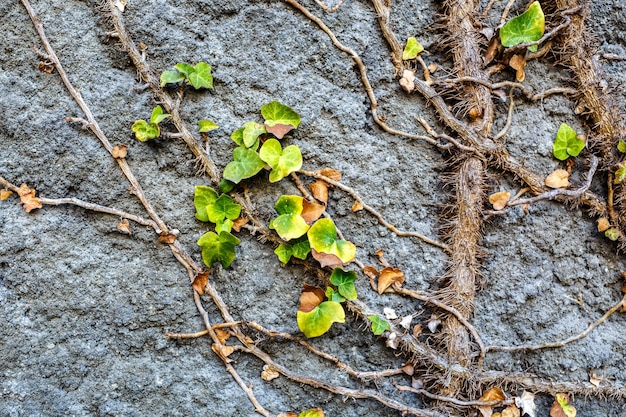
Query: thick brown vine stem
column 383, row 12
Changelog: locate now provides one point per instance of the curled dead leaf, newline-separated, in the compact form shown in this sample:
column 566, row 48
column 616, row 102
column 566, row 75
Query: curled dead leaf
column 326, row 259
column 417, row 330
column 278, row 130
column 370, row 271
column 200, row 281
column 381, row 258
column 517, row 62
column 222, row 335
column 239, row 222
column 474, row 113
column 603, row 224
column 499, row 200
column 492, row 394
column 433, row 323
column 124, row 227
column 357, row 206
column 407, row 82
column 510, row 411
column 4, row 194
column 408, row 369
column 432, row 67
column 492, row 49
column 311, row 211
column 166, row 237
column 392, row 341
column 28, row 199
column 330, row 173
column 594, row 379
column 269, row 373
column 119, row 151
column 319, row 189
column 310, row 298
column 45, row 67
column 390, row 313
column 389, row 276
column 558, row 179
column 527, row 403
column 222, row 351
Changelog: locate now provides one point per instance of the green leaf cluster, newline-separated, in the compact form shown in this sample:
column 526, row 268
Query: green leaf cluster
column 344, row 281
column 199, row 76
column 319, row 320
column 299, row 249
column 149, row 130
column 412, row 49
column 566, row 143
column 527, row 27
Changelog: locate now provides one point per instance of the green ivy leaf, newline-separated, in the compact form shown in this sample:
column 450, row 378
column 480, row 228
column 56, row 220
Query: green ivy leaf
column 223, row 208
column 412, row 49
column 289, row 224
column 323, row 238
column 344, row 281
column 224, row 225
column 226, row 186
column 620, row 174
column 184, row 68
column 171, row 77
column 333, row 295
column 206, row 126
column 621, row 146
column 201, row 76
column 218, row 248
column 145, row 131
column 157, row 115
column 284, row 252
column 276, row 113
column 203, row 196
column 313, row 412
column 319, row 320
column 237, row 137
column 301, row 249
column 251, row 133
column 246, row 163
column 527, row 27
column 379, row 326
column 282, row 161
column 566, row 143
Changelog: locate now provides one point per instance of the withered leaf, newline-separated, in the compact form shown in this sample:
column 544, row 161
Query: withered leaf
column 407, row 82
column 269, row 373
column 124, row 226
column 119, row 151
column 166, row 237
column 603, row 224
column 389, row 276
column 499, row 200
column 527, row 403
column 4, row 194
column 288, row 414
column 381, row 257
column 45, row 67
column 319, row 189
column 390, row 313
column 333, row 174
column 311, row 211
column 492, row 49
column 432, row 67
column 357, row 206
column 558, row 179
column 200, row 281
column 278, row 130
column 310, row 298
column 517, row 62
column 222, row 351
column 510, row 411
column 239, row 222
column 326, row 259
column 28, row 199
column 417, row 330
column 370, row 271
column 222, row 335
column 561, row 407
column 594, row 379
column 408, row 369
column 492, row 394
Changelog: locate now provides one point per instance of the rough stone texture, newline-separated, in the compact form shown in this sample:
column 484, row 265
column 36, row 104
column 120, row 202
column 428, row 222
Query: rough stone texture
column 84, row 308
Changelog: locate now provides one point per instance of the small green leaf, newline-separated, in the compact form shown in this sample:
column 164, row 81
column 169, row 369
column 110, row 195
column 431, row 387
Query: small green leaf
column 313, row 412
column 204, row 196
column 144, row 130
column 289, row 224
column 276, row 113
column 323, row 238
column 620, row 174
column 566, row 143
column 344, row 281
column 206, row 126
column 226, row 186
column 225, row 225
column 333, row 295
column 289, row 204
column 301, row 249
column 158, row 116
column 251, row 133
column 237, row 137
column 184, row 68
column 246, row 163
column 284, row 252
column 319, row 320
column 379, row 326
column 621, row 146
column 527, row 27
column 223, row 208
column 201, row 77
column 612, row 234
column 171, row 77
column 412, row 49
column 282, row 161
column 218, row 248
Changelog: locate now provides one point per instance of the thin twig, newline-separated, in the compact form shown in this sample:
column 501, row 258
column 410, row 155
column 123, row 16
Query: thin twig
column 476, row 403
column 509, row 118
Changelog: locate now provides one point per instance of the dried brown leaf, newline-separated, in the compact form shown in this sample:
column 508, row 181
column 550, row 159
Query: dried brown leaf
column 517, row 62
column 4, row 194
column 499, row 200
column 269, row 373
column 311, row 211
column 28, row 199
column 558, row 179
column 310, row 298
column 124, row 227
column 561, row 407
column 222, row 351
column 492, row 394
column 527, row 403
column 357, row 206
column 408, row 369
column 222, row 335
column 603, row 224
column 389, row 276
column 510, row 411
column 326, row 259
column 492, row 49
column 119, row 151
column 370, row 271
column 45, row 67
column 595, row 380
column 278, row 130
column 319, row 189
column 333, row 174
column 239, row 222
column 407, row 82
column 417, row 330
column 381, row 258
column 200, row 281
column 166, row 237
column 432, row 67
column 289, row 414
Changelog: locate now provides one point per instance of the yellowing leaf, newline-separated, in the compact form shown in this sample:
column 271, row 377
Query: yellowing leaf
column 319, row 320
column 313, row 412
column 561, row 407
column 412, row 49
column 389, row 276
column 558, row 179
column 28, row 199
column 499, row 200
